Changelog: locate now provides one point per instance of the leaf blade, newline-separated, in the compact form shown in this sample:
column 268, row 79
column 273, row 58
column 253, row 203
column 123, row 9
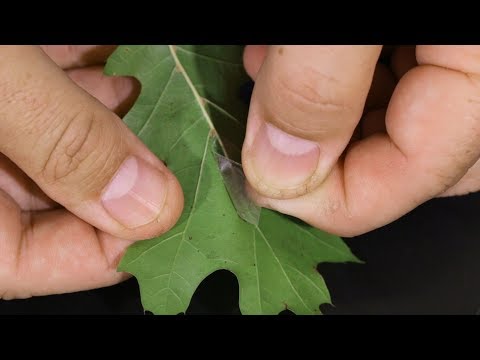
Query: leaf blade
column 189, row 101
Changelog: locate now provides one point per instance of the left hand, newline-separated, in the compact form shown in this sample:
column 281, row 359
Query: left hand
column 77, row 187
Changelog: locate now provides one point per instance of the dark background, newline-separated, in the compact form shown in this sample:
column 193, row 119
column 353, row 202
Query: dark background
column 427, row 262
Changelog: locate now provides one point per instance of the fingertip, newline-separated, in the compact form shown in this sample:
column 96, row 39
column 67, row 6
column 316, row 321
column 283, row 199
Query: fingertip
column 117, row 93
column 253, row 57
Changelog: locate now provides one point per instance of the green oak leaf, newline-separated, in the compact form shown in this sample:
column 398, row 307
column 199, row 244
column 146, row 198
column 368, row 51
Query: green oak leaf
column 190, row 106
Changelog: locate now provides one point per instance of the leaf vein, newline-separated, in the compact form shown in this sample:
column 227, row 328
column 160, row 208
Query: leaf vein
column 181, row 277
column 164, row 90
column 223, row 111
column 309, row 280
column 184, row 132
column 320, row 240
column 191, row 211
column 195, row 93
column 211, row 58
column 151, row 248
column 281, row 267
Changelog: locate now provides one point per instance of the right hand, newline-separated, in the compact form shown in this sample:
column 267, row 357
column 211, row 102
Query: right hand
column 307, row 154
column 77, row 187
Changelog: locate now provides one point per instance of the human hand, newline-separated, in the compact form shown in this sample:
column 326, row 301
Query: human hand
column 326, row 144
column 76, row 186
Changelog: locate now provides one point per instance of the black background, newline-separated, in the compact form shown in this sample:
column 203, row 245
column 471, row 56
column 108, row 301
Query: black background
column 427, row 262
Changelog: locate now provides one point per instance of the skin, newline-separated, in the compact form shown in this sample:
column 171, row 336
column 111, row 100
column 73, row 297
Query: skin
column 385, row 146
column 61, row 143
column 365, row 143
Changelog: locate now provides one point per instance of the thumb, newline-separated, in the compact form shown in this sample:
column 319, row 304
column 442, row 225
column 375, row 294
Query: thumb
column 80, row 153
column 306, row 103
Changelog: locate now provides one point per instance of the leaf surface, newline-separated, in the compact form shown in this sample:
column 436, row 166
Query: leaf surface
column 189, row 108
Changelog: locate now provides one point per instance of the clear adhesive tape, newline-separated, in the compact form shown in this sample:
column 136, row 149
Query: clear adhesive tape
column 235, row 180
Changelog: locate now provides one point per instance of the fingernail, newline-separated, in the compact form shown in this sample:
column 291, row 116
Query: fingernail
column 136, row 194
column 281, row 160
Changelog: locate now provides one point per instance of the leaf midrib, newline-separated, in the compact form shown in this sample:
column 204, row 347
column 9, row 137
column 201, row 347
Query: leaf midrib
column 212, row 127
column 181, row 69
column 201, row 104
column 209, row 58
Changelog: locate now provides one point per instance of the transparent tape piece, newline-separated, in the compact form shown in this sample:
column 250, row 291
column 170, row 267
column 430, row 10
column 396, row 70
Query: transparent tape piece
column 235, row 180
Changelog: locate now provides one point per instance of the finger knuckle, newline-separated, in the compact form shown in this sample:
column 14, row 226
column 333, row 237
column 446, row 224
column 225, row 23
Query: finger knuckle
column 311, row 91
column 74, row 143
